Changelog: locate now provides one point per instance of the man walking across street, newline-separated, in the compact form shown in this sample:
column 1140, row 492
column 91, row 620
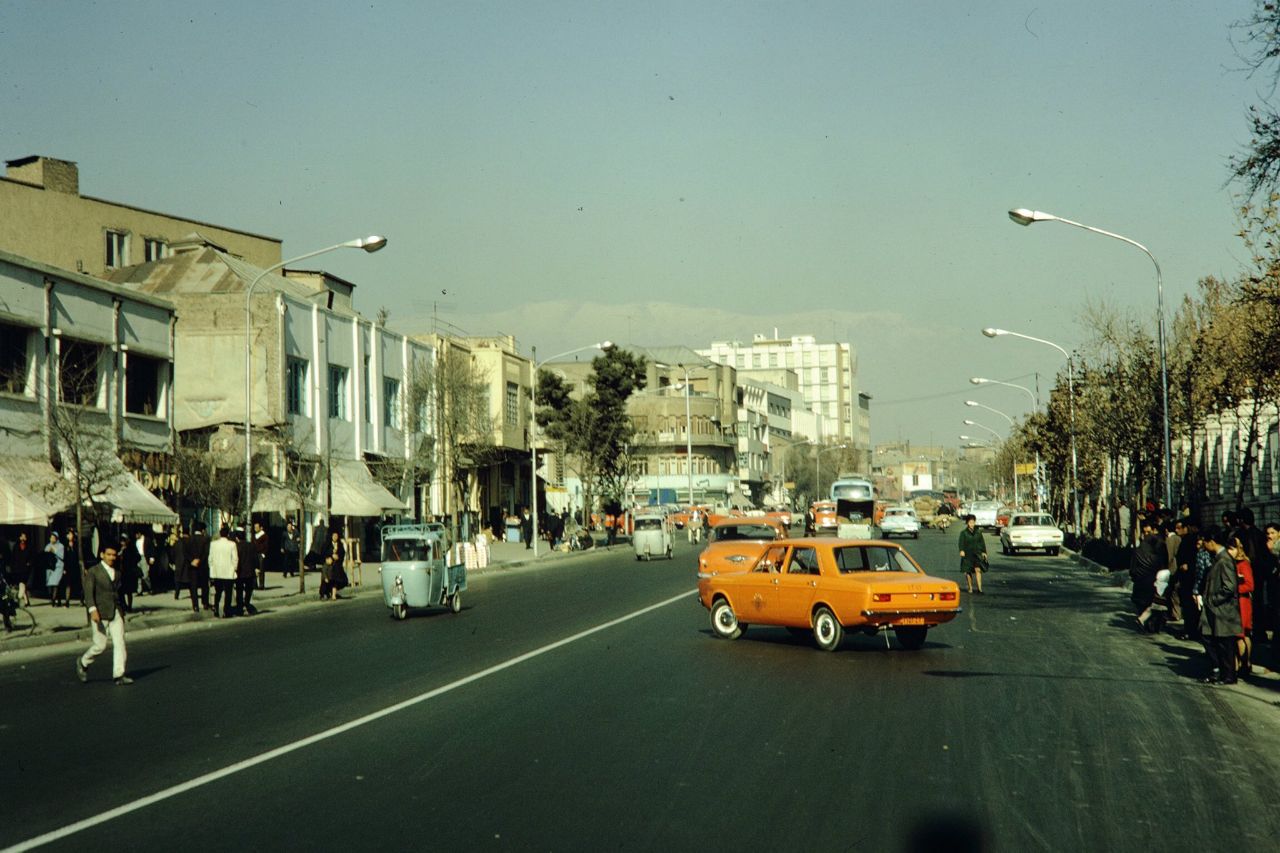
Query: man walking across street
column 102, row 596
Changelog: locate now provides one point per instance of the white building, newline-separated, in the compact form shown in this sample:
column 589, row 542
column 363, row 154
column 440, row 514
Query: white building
column 86, row 379
column 826, row 376
column 335, row 382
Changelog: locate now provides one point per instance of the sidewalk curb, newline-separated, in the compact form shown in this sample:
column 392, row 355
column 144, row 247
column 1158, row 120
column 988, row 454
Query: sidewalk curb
column 151, row 621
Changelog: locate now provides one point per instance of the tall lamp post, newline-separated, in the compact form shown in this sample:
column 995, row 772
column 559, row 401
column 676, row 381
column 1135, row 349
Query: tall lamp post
column 1035, row 405
column 1011, row 424
column 533, row 426
column 1071, row 407
column 1022, row 216
column 369, row 244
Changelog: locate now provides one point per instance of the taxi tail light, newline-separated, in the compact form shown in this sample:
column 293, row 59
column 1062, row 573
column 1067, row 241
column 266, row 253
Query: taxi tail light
column 947, row 596
column 881, row 597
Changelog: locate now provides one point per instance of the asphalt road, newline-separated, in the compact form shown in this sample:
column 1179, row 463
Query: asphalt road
column 1038, row 720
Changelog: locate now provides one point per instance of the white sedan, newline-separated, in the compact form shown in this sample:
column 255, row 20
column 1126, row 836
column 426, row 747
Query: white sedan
column 900, row 521
column 1030, row 531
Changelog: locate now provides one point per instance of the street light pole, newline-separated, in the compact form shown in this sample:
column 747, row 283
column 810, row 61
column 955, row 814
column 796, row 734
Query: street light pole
column 1035, row 406
column 1022, row 216
column 533, row 426
column 369, row 244
column 1071, row 407
column 1011, row 425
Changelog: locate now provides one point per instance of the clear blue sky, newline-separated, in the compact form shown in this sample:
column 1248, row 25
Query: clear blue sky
column 678, row 172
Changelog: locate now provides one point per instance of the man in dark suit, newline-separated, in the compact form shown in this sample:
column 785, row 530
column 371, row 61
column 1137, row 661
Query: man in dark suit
column 102, row 597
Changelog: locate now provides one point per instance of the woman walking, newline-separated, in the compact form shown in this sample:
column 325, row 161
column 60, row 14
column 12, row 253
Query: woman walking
column 21, row 568
column 973, row 553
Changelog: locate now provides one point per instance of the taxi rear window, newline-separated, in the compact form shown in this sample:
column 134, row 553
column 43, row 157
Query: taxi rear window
column 858, row 558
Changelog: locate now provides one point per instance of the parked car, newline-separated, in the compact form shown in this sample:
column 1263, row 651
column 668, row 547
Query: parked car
column 1031, row 531
column 735, row 544
column 782, row 515
column 828, row 586
column 900, row 520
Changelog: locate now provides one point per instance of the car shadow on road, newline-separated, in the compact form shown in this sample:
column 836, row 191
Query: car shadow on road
column 854, row 641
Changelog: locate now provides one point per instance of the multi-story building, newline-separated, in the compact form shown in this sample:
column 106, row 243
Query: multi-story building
column 44, row 217
column 494, row 467
column 826, row 374
column 86, row 384
column 327, row 385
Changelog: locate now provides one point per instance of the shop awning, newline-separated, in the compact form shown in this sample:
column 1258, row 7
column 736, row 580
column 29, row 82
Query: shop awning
column 131, row 503
column 355, row 492
column 31, row 492
column 271, row 496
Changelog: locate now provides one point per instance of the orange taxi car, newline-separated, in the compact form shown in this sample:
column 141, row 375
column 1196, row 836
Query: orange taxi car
column 734, row 544
column 829, row 586
column 825, row 519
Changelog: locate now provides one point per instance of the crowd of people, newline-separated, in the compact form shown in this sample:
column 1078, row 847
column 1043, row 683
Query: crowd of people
column 185, row 561
column 1219, row 585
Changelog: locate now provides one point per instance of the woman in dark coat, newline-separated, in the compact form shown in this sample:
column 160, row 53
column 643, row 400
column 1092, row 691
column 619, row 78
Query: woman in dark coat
column 333, row 574
column 1220, row 609
column 21, row 568
column 973, row 553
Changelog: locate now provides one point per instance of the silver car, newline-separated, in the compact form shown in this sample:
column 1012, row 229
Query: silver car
column 1030, row 531
column 984, row 513
column 900, row 521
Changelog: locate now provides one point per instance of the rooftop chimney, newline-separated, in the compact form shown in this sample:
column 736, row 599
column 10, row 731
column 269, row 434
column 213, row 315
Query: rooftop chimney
column 60, row 176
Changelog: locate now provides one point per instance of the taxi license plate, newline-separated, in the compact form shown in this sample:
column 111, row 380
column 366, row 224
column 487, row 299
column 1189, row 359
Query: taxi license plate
column 911, row 620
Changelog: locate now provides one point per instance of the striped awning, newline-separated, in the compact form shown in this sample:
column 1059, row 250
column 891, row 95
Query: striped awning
column 31, row 492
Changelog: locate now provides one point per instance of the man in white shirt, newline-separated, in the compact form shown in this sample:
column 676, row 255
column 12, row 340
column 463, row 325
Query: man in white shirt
column 102, row 596
column 223, row 559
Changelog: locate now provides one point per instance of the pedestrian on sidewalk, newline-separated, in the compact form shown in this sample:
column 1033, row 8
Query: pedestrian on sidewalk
column 260, row 544
column 70, row 585
column 1148, row 558
column 246, row 575
column 973, row 553
column 1220, row 609
column 22, row 567
column 1185, row 579
column 526, row 528
column 333, row 573
column 102, row 595
column 1245, row 588
column 223, row 560
column 54, row 565
column 130, row 572
column 289, row 548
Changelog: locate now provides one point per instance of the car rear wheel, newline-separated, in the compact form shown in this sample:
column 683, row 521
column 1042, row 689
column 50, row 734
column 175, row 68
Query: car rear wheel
column 827, row 630
column 910, row 637
column 455, row 603
column 724, row 622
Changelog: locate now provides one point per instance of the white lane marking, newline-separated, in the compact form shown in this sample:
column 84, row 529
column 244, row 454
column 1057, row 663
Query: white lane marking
column 232, row 769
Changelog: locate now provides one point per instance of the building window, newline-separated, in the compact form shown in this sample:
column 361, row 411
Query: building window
column 144, row 385
column 338, row 393
column 154, row 250
column 391, row 402
column 513, row 404
column 79, row 377
column 368, row 392
column 17, row 362
column 117, row 249
column 296, row 397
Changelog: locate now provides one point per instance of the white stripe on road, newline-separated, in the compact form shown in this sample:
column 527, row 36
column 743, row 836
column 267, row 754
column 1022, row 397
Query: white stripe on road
column 200, row 781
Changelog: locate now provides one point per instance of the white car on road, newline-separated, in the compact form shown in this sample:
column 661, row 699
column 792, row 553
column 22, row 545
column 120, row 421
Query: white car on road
column 900, row 520
column 1030, row 531
column 984, row 513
